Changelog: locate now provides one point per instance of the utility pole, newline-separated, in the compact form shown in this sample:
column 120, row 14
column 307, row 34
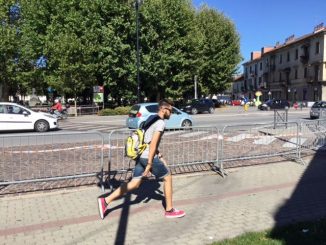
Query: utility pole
column 137, row 50
column 196, row 96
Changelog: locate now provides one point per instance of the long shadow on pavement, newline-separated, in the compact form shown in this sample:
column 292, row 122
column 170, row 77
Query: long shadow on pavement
column 149, row 189
column 307, row 202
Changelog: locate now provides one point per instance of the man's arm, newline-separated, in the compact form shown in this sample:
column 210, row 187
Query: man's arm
column 152, row 151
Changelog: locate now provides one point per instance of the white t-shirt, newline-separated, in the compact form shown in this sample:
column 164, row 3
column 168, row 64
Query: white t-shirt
column 158, row 126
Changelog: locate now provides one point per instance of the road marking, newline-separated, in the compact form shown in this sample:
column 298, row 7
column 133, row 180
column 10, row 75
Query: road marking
column 213, row 136
column 265, row 140
column 239, row 137
column 193, row 134
column 104, row 147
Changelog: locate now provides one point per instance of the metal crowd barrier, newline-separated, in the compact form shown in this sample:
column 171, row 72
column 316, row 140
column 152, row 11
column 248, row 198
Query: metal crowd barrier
column 58, row 156
column 83, row 110
column 181, row 148
column 43, row 157
column 257, row 141
column 313, row 134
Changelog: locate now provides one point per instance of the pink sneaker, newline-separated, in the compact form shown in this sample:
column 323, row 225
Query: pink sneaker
column 174, row 213
column 102, row 206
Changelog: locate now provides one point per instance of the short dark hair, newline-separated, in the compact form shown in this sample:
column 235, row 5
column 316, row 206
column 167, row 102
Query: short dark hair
column 165, row 102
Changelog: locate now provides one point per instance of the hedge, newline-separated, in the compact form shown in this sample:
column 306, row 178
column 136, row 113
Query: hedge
column 116, row 111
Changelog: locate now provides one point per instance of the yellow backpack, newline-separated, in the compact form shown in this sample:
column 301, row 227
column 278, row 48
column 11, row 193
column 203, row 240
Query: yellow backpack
column 135, row 144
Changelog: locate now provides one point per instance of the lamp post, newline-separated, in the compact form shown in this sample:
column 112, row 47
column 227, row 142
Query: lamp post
column 269, row 94
column 137, row 4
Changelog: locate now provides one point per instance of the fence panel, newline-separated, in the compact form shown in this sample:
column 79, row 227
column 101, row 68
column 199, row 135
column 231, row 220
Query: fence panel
column 313, row 134
column 257, row 141
column 52, row 156
column 181, row 148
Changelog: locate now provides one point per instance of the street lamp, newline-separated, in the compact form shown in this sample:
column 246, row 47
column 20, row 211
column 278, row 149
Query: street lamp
column 269, row 94
column 137, row 4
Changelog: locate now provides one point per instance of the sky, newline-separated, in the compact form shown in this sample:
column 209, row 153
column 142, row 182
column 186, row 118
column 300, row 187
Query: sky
column 262, row 23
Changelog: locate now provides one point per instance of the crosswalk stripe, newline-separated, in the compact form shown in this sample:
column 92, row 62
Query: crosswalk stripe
column 239, row 137
column 88, row 127
column 265, row 140
column 293, row 143
column 193, row 134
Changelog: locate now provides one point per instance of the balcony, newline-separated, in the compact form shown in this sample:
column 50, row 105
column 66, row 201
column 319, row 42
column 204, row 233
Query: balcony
column 285, row 83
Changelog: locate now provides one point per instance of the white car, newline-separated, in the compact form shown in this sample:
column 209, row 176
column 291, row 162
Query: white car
column 17, row 117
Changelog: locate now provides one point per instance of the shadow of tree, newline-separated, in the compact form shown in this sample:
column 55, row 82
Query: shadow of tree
column 307, row 203
column 149, row 189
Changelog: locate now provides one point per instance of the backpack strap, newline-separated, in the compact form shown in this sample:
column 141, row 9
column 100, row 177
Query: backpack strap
column 150, row 121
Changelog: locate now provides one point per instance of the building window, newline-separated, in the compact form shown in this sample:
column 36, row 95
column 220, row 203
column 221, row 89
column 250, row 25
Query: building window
column 288, row 56
column 296, row 74
column 305, row 72
column 296, row 54
column 316, row 73
column 317, row 47
column 261, row 65
column 280, row 77
column 280, row 59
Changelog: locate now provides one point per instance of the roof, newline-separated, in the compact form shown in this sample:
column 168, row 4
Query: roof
column 288, row 43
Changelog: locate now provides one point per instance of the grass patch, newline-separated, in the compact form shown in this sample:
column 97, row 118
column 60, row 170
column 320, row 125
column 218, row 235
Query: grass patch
column 305, row 233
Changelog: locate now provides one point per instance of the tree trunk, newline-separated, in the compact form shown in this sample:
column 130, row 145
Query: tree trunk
column 4, row 92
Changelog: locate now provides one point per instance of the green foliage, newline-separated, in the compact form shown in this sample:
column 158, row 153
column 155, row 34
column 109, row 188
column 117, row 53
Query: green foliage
column 167, row 47
column 116, row 111
column 220, row 51
column 89, row 43
column 10, row 37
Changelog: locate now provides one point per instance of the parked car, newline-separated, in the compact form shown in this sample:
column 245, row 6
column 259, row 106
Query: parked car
column 217, row 103
column 139, row 113
column 196, row 106
column 274, row 104
column 224, row 100
column 236, row 102
column 17, row 117
column 318, row 110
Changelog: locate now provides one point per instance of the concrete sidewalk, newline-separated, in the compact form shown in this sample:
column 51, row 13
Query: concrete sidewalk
column 249, row 199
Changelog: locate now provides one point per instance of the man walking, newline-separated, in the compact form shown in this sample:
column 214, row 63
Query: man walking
column 150, row 161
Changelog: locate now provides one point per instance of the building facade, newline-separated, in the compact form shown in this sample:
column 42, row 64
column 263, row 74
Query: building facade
column 293, row 71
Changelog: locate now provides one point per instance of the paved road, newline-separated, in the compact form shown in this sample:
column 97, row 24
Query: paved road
column 221, row 117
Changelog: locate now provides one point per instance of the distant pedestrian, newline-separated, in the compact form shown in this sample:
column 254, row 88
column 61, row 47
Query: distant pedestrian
column 150, row 161
column 295, row 105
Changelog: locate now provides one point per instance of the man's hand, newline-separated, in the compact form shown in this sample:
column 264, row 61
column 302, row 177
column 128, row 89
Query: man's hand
column 147, row 171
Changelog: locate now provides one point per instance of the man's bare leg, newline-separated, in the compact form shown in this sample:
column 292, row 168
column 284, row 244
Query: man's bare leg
column 168, row 192
column 123, row 189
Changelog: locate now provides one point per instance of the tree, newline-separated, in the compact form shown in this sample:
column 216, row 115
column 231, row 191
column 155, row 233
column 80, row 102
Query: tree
column 117, row 53
column 9, row 47
column 168, row 40
column 220, row 51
